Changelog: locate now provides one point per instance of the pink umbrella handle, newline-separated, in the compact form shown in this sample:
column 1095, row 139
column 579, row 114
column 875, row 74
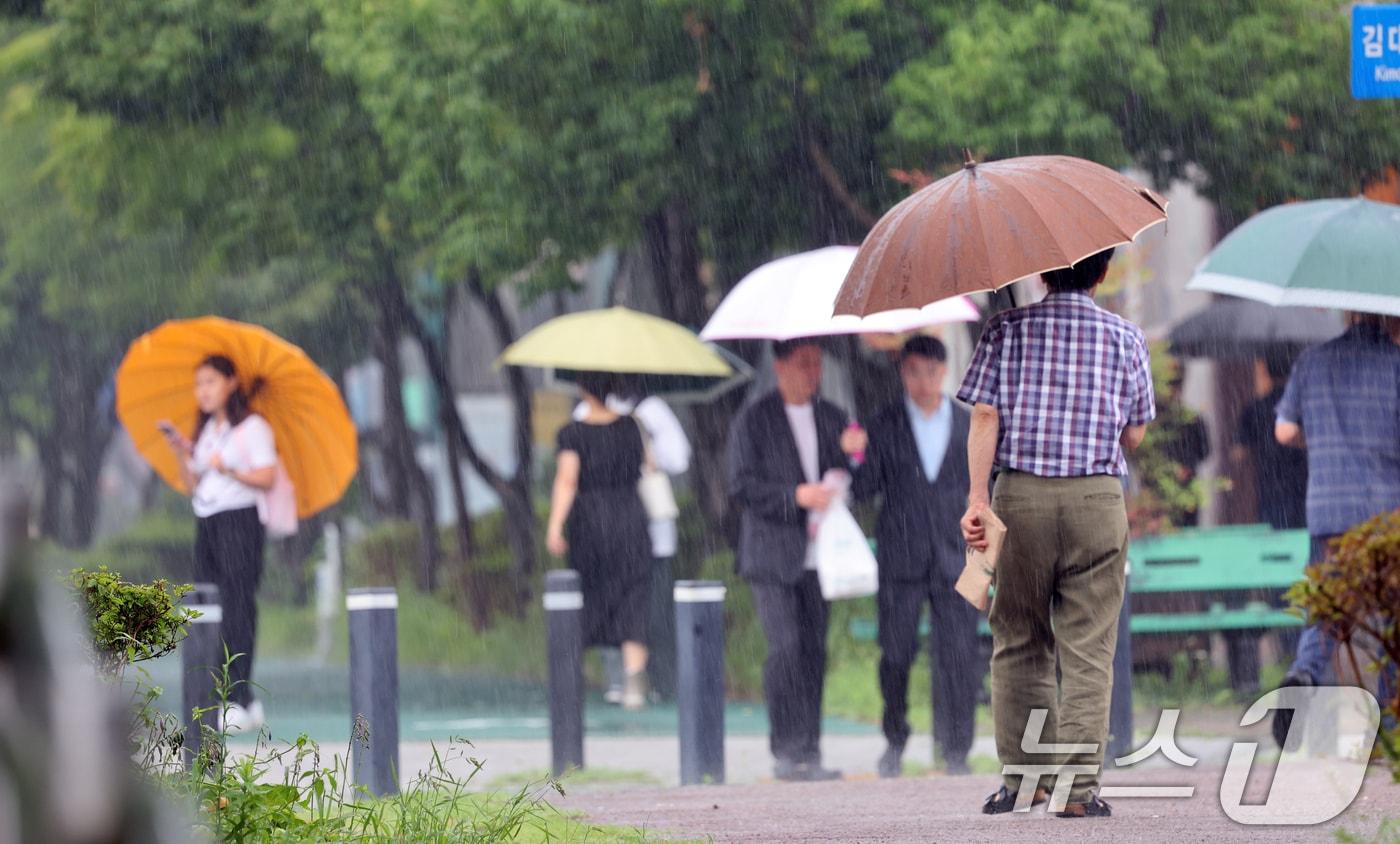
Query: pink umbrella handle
column 858, row 457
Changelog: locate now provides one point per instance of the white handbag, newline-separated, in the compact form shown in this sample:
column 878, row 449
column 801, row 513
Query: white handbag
column 654, row 486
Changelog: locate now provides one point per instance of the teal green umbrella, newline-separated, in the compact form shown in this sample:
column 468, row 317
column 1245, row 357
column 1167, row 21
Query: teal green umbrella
column 1330, row 253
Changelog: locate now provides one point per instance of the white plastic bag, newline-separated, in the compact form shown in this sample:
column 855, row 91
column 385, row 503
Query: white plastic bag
column 845, row 564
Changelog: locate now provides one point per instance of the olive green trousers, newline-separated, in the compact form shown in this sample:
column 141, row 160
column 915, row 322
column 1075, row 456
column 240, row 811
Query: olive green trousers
column 1059, row 588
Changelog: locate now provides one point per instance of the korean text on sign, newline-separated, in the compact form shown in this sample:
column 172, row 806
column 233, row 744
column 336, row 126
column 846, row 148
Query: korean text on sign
column 1375, row 51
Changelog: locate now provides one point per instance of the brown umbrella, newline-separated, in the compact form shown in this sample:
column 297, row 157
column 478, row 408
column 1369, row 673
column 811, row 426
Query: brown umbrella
column 988, row 225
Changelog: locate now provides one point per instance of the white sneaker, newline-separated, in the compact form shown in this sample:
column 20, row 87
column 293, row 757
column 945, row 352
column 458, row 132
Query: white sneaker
column 238, row 719
column 613, row 695
column 635, row 695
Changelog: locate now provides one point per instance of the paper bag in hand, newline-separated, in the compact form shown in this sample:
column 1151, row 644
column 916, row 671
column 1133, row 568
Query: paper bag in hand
column 975, row 582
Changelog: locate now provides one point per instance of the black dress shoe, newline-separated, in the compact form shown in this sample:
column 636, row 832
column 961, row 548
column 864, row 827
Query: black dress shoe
column 1283, row 717
column 814, row 772
column 1003, row 800
column 786, row 770
column 789, row 771
column 891, row 762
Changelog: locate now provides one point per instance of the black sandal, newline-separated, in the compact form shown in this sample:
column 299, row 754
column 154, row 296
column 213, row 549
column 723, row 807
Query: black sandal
column 1004, row 800
column 1094, row 807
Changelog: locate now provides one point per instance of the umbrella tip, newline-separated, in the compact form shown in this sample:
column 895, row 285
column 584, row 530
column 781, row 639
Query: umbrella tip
column 968, row 163
column 1153, row 198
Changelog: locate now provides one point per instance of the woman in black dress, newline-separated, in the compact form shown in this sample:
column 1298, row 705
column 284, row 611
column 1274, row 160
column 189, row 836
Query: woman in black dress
column 597, row 518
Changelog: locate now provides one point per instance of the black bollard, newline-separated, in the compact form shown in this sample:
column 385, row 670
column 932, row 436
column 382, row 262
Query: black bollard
column 202, row 666
column 700, row 679
column 1120, row 707
column 374, row 688
column 563, row 605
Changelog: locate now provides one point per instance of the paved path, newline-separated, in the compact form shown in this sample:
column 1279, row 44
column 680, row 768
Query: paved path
column 656, row 761
column 940, row 808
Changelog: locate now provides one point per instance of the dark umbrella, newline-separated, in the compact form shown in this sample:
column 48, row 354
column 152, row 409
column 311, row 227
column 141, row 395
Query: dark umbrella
column 1241, row 328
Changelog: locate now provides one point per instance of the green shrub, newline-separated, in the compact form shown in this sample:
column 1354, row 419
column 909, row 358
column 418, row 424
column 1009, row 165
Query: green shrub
column 1356, row 592
column 289, row 794
column 382, row 555
column 129, row 622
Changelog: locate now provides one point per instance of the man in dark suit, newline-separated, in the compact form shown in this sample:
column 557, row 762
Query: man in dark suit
column 779, row 448
column 917, row 464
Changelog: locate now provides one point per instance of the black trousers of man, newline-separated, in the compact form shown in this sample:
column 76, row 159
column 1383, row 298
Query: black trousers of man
column 794, row 619
column 956, row 662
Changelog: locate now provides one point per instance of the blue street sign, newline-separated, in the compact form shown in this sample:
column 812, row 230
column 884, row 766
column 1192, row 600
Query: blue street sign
column 1375, row 52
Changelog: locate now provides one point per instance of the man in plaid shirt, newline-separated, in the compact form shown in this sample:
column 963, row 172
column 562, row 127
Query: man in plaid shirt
column 1059, row 389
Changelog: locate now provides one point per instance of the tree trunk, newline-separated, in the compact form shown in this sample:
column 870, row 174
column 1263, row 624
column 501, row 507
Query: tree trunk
column 92, row 433
column 77, row 446
column 522, row 524
column 51, row 476
column 398, row 440
column 672, row 241
column 514, row 492
column 469, row 581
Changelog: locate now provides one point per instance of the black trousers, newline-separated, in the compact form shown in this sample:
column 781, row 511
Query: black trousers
column 794, row 619
column 228, row 552
column 661, row 666
column 957, row 666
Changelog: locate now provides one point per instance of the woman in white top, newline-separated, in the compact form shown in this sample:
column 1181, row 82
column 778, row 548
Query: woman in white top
column 230, row 461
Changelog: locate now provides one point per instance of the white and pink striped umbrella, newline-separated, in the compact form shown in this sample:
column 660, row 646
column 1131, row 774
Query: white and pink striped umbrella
column 795, row 297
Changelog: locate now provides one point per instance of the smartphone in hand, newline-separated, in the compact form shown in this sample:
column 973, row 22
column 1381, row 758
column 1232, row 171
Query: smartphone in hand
column 172, row 434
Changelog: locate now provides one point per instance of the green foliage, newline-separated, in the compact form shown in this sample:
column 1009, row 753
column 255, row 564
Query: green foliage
column 580, row 777
column 1355, row 592
column 1186, row 682
column 1245, row 100
column 159, row 544
column 291, row 792
column 1030, row 77
column 129, row 622
column 1167, row 491
column 1387, row 833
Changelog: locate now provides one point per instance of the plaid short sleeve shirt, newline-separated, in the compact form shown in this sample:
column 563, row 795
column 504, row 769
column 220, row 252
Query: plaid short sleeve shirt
column 1066, row 377
column 1346, row 396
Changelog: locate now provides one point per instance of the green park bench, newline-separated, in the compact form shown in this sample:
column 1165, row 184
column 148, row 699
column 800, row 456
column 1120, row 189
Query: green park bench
column 1227, row 580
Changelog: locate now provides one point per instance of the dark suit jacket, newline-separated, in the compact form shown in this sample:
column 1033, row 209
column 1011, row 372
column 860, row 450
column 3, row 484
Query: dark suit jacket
column 917, row 534
column 764, row 472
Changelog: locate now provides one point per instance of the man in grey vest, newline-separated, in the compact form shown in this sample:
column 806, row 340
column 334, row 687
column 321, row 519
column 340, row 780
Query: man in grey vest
column 917, row 466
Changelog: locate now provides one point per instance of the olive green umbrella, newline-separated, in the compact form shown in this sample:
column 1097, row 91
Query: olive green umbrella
column 616, row 340
column 1329, row 253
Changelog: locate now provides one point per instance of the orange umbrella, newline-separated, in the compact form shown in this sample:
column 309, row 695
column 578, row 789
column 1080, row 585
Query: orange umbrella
column 316, row 439
column 988, row 225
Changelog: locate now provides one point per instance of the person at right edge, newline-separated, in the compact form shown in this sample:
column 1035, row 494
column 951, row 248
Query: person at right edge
column 1342, row 404
column 1059, row 390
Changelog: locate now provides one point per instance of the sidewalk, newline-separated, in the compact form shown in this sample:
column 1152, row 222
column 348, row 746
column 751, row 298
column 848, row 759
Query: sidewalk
column 656, row 760
column 948, row 809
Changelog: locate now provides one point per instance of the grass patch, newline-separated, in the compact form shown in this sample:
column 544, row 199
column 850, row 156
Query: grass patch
column 432, row 633
column 985, row 765
column 580, row 777
column 1387, row 833
column 980, row 765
